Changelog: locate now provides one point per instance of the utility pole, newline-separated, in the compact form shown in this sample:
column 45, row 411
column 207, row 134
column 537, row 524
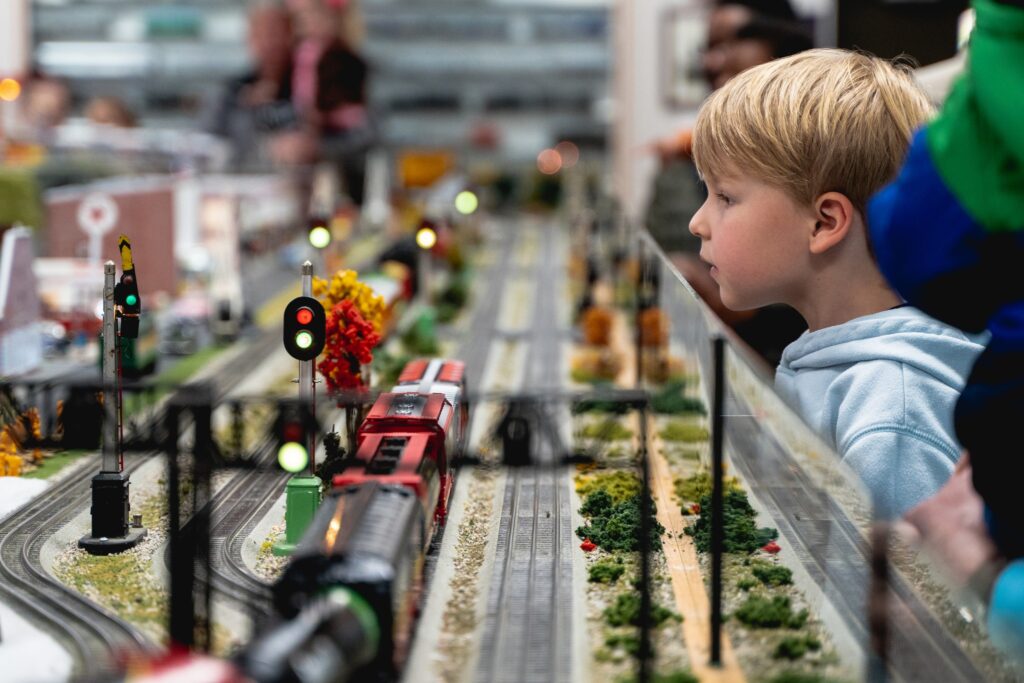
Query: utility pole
column 110, row 531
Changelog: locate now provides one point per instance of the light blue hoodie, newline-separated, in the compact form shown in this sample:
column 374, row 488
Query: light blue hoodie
column 880, row 389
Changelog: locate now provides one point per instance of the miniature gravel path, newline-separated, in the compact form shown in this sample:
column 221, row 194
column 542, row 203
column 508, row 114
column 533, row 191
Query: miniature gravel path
column 680, row 553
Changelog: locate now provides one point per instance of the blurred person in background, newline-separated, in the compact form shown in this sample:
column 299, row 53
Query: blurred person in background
column 110, row 111
column 329, row 88
column 47, row 105
column 255, row 112
column 740, row 34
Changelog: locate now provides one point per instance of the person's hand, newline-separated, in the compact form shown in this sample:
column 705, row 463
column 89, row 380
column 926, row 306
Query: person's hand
column 950, row 527
column 293, row 148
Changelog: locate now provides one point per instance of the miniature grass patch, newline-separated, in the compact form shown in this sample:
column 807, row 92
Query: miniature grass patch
column 619, row 485
column 679, row 676
column 795, row 647
column 741, row 533
column 697, row 486
column 800, row 677
column 626, row 612
column 759, row 611
column 624, row 641
column 683, row 432
column 54, row 463
column 771, row 574
column 606, row 430
column 606, row 571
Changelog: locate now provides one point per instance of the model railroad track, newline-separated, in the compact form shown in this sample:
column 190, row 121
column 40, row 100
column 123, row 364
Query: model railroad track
column 530, row 599
column 90, row 631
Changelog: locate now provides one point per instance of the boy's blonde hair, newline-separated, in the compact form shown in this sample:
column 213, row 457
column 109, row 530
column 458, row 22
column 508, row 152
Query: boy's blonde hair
column 818, row 121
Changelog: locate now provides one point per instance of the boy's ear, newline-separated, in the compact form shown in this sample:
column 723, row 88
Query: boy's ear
column 834, row 215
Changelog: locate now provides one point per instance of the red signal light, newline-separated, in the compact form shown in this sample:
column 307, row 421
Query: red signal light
column 304, row 316
column 292, row 431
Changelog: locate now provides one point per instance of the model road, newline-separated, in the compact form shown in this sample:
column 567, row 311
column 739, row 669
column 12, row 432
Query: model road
column 827, row 543
column 528, row 626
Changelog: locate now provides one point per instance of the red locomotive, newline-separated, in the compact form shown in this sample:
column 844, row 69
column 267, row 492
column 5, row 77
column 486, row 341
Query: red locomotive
column 412, row 433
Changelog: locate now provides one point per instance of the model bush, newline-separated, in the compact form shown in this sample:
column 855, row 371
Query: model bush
column 684, row 432
column 741, row 534
column 605, row 571
column 795, row 647
column 598, row 405
column 799, row 677
column 760, row 611
column 626, row 612
column 671, row 401
column 746, row 583
column 771, row 574
column 616, row 526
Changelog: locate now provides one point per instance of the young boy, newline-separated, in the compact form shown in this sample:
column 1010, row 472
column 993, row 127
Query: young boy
column 791, row 151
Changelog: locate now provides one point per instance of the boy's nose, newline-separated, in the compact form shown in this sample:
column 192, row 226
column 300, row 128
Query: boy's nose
column 698, row 227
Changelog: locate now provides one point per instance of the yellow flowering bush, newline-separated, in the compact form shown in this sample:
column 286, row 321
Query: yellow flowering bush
column 345, row 286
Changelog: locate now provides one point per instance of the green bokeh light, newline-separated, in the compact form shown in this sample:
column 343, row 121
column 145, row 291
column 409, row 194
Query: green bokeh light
column 131, row 299
column 466, row 202
column 303, row 339
column 292, row 457
column 319, row 237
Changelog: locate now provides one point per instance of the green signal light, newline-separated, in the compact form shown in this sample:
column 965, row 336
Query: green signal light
column 131, row 299
column 303, row 339
column 466, row 202
column 292, row 457
column 319, row 237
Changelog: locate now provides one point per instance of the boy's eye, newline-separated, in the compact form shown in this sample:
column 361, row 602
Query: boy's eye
column 724, row 198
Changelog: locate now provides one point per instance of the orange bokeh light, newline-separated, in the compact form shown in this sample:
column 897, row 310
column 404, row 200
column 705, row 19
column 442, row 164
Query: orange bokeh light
column 569, row 152
column 9, row 89
column 549, row 162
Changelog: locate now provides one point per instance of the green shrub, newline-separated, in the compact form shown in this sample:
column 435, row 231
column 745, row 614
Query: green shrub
column 795, row 647
column 671, row 401
column 596, row 405
column 762, row 612
column 616, row 526
column 626, row 612
column 746, row 583
column 741, row 534
column 772, row 574
column 684, row 432
column 799, row 677
column 627, row 641
column 605, row 571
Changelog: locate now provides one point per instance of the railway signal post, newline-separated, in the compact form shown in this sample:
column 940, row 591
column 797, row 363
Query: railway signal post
column 110, row 506
column 304, row 336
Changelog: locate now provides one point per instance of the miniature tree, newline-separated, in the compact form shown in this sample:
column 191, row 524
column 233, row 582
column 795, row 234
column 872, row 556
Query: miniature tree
column 596, row 323
column 354, row 318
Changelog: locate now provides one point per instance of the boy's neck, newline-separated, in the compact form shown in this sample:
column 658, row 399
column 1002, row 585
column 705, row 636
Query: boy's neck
column 839, row 297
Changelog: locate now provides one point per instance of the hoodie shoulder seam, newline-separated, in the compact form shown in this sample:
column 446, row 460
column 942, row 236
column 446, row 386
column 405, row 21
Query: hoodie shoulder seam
column 906, row 431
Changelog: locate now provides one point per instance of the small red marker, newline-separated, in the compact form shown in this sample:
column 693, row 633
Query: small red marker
column 771, row 547
column 587, row 545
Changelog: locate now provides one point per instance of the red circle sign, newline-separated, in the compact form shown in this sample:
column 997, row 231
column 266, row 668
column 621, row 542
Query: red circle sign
column 304, row 316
